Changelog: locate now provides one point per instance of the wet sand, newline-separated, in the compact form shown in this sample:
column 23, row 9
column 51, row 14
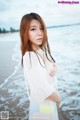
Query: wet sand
column 10, row 92
column 6, row 63
column 61, row 115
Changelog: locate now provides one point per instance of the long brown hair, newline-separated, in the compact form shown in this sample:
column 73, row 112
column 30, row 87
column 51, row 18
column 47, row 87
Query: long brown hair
column 24, row 28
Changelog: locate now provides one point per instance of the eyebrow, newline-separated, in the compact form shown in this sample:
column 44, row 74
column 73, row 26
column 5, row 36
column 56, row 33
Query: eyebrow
column 34, row 26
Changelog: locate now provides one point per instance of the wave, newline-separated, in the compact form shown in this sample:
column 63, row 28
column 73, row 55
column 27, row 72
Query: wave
column 67, row 25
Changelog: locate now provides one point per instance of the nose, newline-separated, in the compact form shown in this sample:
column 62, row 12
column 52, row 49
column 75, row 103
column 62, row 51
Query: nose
column 39, row 32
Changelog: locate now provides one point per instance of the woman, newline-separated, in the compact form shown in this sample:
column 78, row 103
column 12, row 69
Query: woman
column 39, row 69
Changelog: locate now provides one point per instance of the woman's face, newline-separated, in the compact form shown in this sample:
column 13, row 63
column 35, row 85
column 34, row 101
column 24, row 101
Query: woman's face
column 36, row 33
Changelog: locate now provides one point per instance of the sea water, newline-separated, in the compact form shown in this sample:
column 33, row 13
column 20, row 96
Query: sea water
column 65, row 44
column 65, row 47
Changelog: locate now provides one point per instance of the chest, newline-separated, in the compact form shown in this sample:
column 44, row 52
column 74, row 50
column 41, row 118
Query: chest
column 47, row 61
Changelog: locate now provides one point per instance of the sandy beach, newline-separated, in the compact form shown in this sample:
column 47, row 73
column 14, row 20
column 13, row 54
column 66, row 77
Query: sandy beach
column 6, row 63
column 10, row 92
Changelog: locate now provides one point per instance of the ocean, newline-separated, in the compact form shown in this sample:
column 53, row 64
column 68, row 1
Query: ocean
column 65, row 47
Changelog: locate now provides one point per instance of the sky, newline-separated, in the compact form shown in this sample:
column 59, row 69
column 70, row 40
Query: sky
column 11, row 12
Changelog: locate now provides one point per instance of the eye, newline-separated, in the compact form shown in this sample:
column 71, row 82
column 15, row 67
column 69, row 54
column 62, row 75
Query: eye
column 32, row 29
column 41, row 28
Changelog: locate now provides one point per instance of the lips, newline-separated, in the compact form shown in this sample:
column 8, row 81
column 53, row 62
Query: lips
column 40, row 39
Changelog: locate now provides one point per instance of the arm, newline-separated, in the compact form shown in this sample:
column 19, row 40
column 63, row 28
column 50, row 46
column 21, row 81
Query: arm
column 55, row 97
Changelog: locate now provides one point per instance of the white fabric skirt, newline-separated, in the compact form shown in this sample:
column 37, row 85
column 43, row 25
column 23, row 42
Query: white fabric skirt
column 44, row 111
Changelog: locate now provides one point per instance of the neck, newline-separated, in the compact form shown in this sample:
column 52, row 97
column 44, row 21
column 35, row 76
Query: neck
column 35, row 47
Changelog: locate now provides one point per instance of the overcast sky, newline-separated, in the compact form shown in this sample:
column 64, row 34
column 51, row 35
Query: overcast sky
column 11, row 12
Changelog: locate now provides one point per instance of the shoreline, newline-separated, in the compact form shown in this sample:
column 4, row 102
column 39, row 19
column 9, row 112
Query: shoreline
column 7, row 67
column 6, row 63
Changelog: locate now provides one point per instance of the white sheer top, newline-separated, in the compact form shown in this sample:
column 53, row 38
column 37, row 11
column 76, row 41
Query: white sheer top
column 41, row 84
